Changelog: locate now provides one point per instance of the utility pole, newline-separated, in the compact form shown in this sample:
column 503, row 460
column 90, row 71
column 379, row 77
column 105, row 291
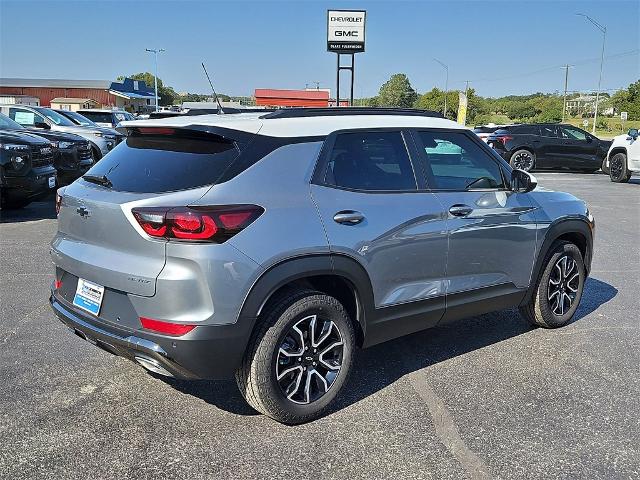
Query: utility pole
column 566, row 84
column 466, row 90
column 155, row 76
column 446, row 86
column 603, row 29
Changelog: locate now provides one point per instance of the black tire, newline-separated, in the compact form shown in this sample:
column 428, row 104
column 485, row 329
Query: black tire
column 604, row 167
column 523, row 159
column 618, row 171
column 257, row 377
column 542, row 311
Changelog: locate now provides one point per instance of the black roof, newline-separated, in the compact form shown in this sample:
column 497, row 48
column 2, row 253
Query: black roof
column 335, row 111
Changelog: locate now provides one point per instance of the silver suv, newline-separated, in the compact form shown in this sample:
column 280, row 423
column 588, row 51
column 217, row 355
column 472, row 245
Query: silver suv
column 271, row 246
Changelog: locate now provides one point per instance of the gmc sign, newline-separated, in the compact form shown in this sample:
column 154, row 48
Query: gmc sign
column 345, row 31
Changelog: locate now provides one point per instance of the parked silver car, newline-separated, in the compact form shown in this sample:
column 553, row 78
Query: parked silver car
column 102, row 139
column 271, row 246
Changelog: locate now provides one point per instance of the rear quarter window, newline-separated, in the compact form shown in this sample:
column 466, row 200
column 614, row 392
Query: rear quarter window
column 156, row 163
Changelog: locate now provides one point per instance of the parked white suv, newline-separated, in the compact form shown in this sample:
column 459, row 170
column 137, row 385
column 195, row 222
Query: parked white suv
column 623, row 158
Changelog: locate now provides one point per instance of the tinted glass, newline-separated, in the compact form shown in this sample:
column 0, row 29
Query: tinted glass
column 101, row 117
column 549, row 131
column 573, row 133
column 455, row 162
column 526, row 130
column 79, row 119
column 55, row 117
column 7, row 124
column 485, row 129
column 502, row 131
column 164, row 164
column 370, row 161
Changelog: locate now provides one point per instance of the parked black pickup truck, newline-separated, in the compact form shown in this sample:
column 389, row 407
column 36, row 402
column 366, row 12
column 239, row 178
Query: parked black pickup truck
column 72, row 154
column 26, row 168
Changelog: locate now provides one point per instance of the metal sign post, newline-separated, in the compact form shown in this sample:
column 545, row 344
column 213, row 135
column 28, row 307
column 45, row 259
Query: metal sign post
column 345, row 36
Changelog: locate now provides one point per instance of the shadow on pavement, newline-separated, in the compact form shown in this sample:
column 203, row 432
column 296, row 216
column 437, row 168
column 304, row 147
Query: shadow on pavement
column 44, row 209
column 380, row 366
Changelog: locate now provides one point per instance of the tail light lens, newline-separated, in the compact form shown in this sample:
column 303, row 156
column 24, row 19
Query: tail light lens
column 59, row 193
column 196, row 224
column 167, row 328
column 503, row 139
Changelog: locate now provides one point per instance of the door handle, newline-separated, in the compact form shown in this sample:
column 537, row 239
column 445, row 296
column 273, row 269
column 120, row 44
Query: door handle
column 348, row 217
column 460, row 210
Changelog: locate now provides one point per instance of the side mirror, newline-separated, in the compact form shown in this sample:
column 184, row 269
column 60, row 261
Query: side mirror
column 42, row 125
column 633, row 133
column 522, row 182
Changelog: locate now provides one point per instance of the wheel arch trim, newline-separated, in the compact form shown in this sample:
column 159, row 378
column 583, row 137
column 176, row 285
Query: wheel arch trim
column 568, row 225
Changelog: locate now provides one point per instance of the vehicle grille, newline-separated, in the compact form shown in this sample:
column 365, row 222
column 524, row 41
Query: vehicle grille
column 41, row 156
column 84, row 151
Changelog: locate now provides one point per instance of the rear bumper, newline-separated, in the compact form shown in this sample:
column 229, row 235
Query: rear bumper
column 207, row 352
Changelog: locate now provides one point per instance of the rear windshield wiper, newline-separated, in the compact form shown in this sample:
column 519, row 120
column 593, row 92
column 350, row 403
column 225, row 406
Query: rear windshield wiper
column 99, row 179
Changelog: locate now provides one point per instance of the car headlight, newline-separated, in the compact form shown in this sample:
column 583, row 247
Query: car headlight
column 13, row 146
column 97, row 134
column 62, row 144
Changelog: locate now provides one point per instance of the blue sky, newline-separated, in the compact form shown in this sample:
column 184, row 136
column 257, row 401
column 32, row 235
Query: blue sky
column 502, row 47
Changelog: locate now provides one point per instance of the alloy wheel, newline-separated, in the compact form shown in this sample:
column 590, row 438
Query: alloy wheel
column 564, row 283
column 309, row 359
column 615, row 168
column 523, row 161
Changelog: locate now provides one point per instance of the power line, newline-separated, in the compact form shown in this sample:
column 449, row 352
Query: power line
column 546, row 69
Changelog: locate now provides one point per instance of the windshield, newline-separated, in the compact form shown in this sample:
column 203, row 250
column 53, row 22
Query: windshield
column 7, row 124
column 79, row 119
column 55, row 117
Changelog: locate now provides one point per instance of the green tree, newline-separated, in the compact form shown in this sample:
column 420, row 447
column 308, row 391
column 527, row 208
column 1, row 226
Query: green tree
column 397, row 92
column 628, row 101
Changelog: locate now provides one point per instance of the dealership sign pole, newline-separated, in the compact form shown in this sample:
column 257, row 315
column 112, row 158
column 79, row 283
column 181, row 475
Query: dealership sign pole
column 345, row 36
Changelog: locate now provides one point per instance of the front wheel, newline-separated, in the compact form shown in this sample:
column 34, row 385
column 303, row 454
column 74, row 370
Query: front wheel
column 559, row 288
column 618, row 171
column 523, row 160
column 298, row 358
column 605, row 167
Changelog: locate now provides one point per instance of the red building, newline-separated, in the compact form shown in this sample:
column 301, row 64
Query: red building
column 269, row 97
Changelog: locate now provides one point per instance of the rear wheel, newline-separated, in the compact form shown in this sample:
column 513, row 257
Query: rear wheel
column 618, row 171
column 559, row 288
column 523, row 160
column 298, row 358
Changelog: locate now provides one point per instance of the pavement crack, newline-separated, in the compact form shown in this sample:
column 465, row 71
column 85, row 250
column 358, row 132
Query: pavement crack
column 447, row 431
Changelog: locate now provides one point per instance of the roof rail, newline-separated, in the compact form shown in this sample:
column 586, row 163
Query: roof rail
column 339, row 111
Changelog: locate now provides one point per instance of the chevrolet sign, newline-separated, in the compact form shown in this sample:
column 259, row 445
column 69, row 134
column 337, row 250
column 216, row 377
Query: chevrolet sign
column 345, row 31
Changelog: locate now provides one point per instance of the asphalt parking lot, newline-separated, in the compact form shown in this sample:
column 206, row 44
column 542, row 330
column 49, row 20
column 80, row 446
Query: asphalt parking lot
column 487, row 397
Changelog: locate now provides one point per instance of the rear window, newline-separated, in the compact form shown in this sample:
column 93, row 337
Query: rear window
column 156, row 163
column 100, row 117
column 485, row 129
column 526, row 130
column 502, row 131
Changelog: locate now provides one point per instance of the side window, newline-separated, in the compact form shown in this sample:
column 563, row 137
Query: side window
column 24, row 117
column 370, row 161
column 549, row 131
column 573, row 133
column 455, row 162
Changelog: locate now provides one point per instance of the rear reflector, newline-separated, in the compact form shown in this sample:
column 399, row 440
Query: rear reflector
column 167, row 328
column 196, row 224
column 57, row 284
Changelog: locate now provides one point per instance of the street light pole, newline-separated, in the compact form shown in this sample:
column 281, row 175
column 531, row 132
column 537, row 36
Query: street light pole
column 155, row 76
column 446, row 86
column 603, row 29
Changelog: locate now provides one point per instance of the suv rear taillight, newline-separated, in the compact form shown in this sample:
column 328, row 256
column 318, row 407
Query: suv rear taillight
column 503, row 139
column 196, row 224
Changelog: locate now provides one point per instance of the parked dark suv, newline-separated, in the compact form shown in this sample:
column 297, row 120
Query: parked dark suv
column 26, row 168
column 549, row 146
column 272, row 246
column 72, row 154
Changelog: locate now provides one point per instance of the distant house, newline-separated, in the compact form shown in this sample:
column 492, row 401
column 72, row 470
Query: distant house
column 73, row 104
column 20, row 100
column 586, row 105
column 128, row 94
